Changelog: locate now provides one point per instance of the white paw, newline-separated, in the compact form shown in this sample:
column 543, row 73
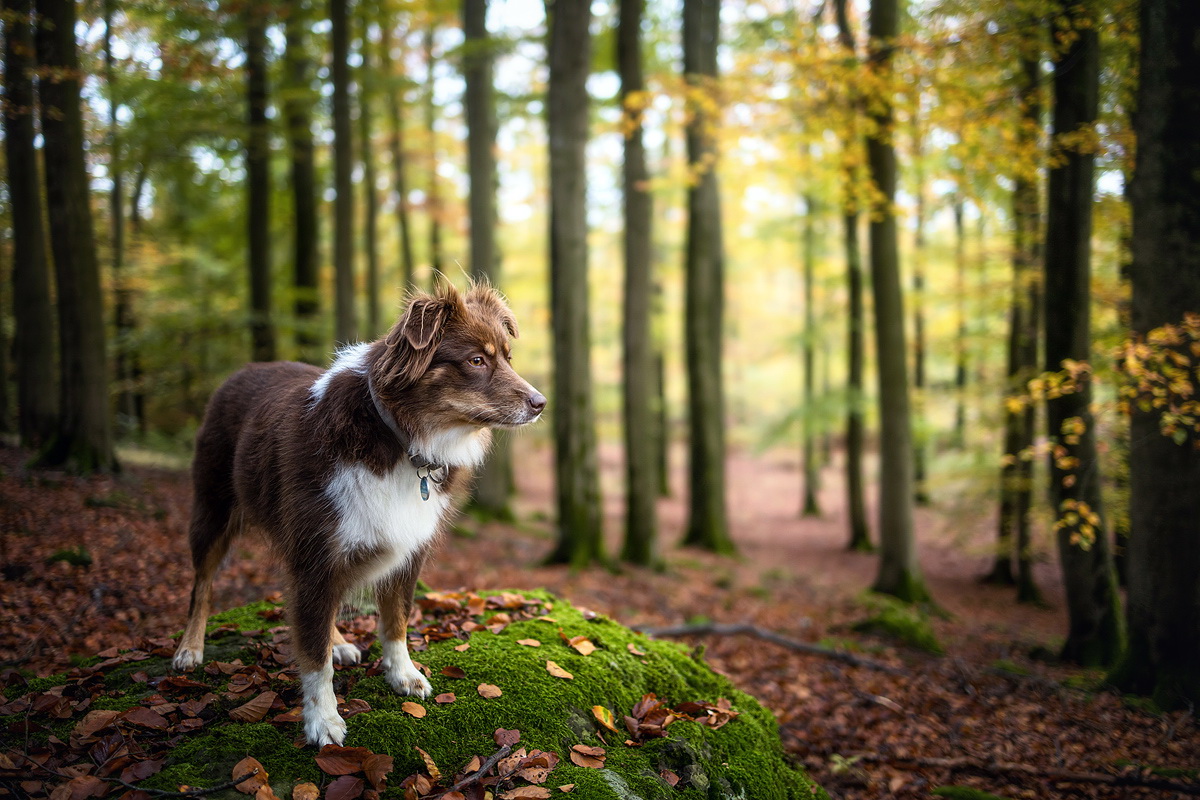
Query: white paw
column 322, row 728
column 187, row 659
column 346, row 654
column 407, row 680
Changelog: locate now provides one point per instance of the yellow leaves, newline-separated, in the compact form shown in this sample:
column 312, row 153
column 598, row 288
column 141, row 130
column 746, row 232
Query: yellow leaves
column 1080, row 522
column 1162, row 370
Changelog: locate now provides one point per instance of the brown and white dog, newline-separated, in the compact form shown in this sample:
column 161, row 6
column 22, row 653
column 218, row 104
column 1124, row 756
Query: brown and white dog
column 350, row 474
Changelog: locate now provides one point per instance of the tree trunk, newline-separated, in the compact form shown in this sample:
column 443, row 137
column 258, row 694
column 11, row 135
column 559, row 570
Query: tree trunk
column 297, row 103
column 1164, row 559
column 33, row 314
column 1094, row 638
column 494, row 481
column 258, row 183
column 1016, row 474
column 899, row 570
column 856, row 511
column 960, row 336
column 366, row 96
column 580, row 539
column 641, row 489
column 345, row 314
column 708, row 524
column 434, row 200
column 920, row 448
column 395, row 94
column 812, row 467
column 84, row 439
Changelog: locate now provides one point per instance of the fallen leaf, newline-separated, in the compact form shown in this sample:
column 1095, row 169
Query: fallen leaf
column 251, row 784
column 445, row 697
column 430, row 765
column 566, row 787
column 291, row 715
column 254, row 710
column 376, row 767
column 538, row 766
column 604, row 717
column 504, row 736
column 142, row 770
column 415, row 709
column 85, row 786
column 265, row 792
column 526, row 793
column 585, row 756
column 631, row 647
column 346, row 787
column 584, row 645
column 94, row 722
column 335, row 760
column 355, row 705
column 462, row 648
column 452, row 671
column 557, row 671
column 305, row 791
column 488, row 690
column 670, row 777
column 529, row 642
column 145, row 718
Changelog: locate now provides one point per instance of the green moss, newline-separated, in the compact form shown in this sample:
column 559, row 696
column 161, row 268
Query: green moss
column 901, row 621
column 965, row 793
column 744, row 758
column 75, row 556
column 245, row 618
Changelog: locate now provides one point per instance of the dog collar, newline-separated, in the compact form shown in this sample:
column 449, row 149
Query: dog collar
column 426, row 470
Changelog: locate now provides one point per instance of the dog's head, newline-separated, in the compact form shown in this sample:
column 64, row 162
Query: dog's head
column 448, row 362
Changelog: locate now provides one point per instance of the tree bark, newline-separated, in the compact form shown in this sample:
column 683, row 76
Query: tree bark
column 856, row 514
column 1164, row 556
column 258, row 183
column 33, row 314
column 812, row 467
column 580, row 539
column 1094, row 636
column 434, row 199
column 1016, row 473
column 960, row 310
column 708, row 524
column 395, row 94
column 494, row 481
column 641, row 489
column 297, row 102
column 366, row 96
column 920, row 449
column 899, row 571
column 83, row 441
column 345, row 313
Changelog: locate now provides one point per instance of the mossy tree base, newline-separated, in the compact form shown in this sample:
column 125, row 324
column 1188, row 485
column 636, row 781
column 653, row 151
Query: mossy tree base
column 743, row 758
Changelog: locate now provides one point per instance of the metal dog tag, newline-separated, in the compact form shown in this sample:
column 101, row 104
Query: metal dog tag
column 424, row 487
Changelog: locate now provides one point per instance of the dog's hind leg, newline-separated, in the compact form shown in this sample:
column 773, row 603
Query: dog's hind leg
column 394, row 596
column 213, row 528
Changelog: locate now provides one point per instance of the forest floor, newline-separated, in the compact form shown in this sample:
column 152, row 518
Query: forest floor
column 989, row 712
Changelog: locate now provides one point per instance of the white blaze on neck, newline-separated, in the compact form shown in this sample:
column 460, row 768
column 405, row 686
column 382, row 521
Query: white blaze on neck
column 461, row 446
column 351, row 357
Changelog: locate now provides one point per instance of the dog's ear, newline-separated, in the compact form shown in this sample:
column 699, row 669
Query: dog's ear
column 412, row 341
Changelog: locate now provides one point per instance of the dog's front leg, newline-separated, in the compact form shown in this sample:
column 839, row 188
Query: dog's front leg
column 313, row 607
column 394, row 596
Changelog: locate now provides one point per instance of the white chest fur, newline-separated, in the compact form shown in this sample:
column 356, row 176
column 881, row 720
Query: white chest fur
column 384, row 514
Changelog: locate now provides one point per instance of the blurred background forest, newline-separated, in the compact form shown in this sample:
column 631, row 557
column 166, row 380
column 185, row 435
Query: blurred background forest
column 915, row 271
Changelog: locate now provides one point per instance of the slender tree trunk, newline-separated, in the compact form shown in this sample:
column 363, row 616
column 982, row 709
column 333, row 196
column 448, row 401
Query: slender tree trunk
column 641, row 523
column 258, row 183
column 33, row 314
column 1016, row 473
column 708, row 524
column 128, row 325
column 345, row 313
column 395, row 94
column 366, row 96
column 920, row 446
column 494, row 481
column 1094, row 637
column 434, row 202
column 84, row 438
column 662, row 456
column 297, row 103
column 856, row 507
column 580, row 539
column 960, row 309
column 899, row 570
column 812, row 467
column 1164, row 559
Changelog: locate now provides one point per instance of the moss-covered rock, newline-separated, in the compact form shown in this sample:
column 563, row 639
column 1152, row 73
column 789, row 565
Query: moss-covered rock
column 742, row 758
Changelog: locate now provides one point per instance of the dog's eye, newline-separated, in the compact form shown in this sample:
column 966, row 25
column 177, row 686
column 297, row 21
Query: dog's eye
column 477, row 361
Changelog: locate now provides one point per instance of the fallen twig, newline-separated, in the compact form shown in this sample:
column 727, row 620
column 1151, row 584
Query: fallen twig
column 745, row 629
column 1046, row 773
column 492, row 760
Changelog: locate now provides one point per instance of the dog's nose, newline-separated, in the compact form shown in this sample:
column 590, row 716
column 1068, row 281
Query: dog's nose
column 537, row 402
